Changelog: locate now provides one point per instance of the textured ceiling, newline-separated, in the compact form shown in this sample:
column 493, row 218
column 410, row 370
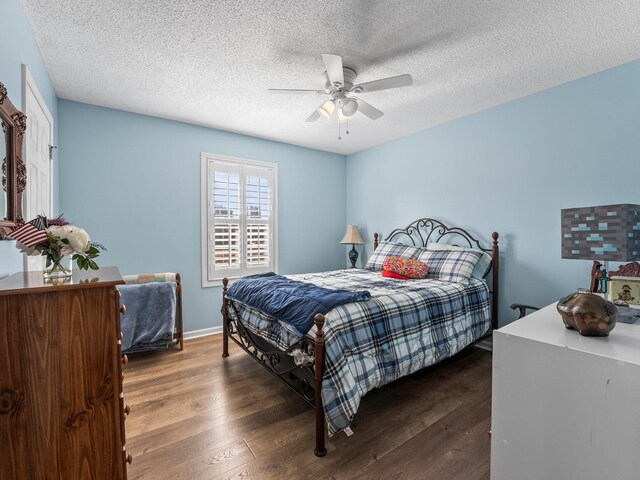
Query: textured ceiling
column 211, row 62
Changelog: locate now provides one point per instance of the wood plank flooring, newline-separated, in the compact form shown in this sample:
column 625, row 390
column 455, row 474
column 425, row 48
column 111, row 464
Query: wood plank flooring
column 195, row 415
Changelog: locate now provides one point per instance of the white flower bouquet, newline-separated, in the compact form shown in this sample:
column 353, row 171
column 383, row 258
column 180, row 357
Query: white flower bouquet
column 56, row 239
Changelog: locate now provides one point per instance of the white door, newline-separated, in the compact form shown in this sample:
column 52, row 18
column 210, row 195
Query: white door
column 37, row 157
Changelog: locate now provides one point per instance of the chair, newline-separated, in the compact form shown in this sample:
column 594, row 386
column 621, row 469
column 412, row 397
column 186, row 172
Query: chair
column 523, row 308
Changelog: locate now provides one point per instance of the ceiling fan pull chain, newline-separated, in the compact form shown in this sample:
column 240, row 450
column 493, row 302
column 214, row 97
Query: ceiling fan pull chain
column 347, row 125
column 339, row 112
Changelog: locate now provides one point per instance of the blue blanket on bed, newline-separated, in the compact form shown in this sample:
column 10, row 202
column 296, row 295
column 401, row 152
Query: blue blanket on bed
column 290, row 301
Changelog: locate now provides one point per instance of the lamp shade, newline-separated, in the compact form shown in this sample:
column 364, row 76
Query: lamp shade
column 608, row 233
column 349, row 107
column 326, row 109
column 352, row 236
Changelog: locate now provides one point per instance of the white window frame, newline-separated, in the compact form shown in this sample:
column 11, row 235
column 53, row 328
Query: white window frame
column 209, row 279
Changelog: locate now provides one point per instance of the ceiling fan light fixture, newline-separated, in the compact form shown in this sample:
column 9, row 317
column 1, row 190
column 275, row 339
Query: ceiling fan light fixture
column 339, row 83
column 349, row 107
column 326, row 109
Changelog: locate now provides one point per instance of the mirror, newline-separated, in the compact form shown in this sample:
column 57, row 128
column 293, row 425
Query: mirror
column 3, row 198
column 14, row 177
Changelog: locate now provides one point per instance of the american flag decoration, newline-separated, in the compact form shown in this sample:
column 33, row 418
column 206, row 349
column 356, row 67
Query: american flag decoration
column 31, row 233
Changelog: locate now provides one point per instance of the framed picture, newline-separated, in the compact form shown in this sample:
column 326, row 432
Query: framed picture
column 625, row 289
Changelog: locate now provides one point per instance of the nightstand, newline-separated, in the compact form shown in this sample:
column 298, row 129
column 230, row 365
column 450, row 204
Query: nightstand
column 565, row 406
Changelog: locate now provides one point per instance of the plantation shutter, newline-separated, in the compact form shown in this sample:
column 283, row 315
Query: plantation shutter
column 240, row 232
column 258, row 217
column 225, row 207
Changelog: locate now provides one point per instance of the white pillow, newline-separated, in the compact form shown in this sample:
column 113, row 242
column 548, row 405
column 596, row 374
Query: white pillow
column 481, row 268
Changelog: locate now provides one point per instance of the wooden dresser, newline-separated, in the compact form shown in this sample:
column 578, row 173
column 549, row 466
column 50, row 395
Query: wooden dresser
column 62, row 408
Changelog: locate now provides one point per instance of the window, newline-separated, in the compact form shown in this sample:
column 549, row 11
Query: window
column 238, row 218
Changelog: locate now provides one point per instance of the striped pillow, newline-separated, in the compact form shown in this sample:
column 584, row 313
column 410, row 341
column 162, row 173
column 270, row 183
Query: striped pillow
column 482, row 267
column 450, row 265
column 388, row 249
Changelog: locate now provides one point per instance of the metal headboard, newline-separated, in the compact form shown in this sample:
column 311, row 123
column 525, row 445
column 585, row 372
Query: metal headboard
column 427, row 230
column 423, row 231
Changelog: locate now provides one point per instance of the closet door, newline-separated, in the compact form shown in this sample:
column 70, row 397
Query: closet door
column 37, row 157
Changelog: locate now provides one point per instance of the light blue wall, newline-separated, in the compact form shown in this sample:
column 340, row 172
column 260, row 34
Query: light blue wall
column 18, row 46
column 133, row 182
column 512, row 169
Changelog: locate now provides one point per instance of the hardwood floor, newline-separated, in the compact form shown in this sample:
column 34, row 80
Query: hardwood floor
column 195, row 415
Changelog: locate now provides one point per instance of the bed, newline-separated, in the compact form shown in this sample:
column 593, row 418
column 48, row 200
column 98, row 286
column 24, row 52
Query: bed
column 356, row 347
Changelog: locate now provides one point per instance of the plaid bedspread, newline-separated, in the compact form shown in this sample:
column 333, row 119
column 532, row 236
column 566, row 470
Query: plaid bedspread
column 406, row 326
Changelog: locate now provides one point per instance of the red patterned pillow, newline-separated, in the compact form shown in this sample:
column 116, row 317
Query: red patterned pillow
column 406, row 267
column 389, row 274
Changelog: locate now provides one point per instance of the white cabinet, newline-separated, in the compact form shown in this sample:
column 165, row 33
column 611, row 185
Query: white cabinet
column 565, row 406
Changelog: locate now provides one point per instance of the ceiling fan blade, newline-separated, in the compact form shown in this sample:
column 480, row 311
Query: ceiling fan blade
column 372, row 112
column 313, row 117
column 384, row 84
column 333, row 64
column 292, row 90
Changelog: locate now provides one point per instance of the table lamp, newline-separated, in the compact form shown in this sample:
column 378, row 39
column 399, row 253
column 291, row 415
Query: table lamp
column 353, row 237
column 602, row 234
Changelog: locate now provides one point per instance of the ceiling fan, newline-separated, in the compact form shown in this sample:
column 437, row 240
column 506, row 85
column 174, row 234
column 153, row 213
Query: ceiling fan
column 340, row 85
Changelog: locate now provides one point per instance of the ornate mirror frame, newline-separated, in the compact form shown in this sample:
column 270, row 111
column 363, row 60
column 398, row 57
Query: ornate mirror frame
column 14, row 174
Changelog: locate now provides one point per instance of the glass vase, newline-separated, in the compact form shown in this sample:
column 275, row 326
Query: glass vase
column 58, row 267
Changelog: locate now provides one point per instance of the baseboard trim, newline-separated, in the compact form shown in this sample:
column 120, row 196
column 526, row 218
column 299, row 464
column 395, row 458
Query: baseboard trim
column 204, row 332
